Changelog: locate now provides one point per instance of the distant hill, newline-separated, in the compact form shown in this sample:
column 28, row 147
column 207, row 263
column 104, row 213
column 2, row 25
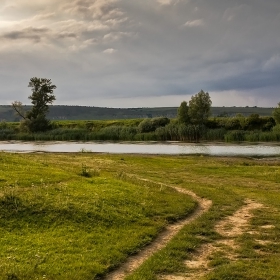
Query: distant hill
column 62, row 112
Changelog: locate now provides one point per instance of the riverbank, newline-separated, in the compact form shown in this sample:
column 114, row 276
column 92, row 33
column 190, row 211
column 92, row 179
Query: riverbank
column 240, row 128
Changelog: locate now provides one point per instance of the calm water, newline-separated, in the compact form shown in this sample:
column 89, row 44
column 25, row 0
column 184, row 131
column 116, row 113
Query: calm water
column 143, row 148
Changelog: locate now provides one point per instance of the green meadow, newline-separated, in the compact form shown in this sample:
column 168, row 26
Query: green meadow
column 80, row 216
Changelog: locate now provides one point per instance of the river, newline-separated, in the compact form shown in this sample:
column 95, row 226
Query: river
column 162, row 148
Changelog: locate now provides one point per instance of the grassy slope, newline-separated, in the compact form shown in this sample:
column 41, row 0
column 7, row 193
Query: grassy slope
column 227, row 182
column 58, row 223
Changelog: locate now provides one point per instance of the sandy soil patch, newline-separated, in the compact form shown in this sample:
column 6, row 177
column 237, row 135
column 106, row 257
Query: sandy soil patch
column 229, row 228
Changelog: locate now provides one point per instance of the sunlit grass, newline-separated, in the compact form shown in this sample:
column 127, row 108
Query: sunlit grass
column 57, row 223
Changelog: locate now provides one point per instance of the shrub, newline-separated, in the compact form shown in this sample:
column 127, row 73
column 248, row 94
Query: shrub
column 233, row 124
column 267, row 123
column 212, row 123
column 150, row 125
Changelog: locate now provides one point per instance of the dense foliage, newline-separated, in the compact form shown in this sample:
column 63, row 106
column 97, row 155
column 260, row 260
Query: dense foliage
column 199, row 107
column 238, row 128
column 42, row 95
column 150, row 125
column 183, row 113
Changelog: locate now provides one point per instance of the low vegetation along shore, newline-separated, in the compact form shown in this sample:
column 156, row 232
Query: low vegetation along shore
column 80, row 216
column 229, row 129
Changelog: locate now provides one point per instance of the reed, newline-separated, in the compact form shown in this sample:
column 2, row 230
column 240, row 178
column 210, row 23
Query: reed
column 157, row 129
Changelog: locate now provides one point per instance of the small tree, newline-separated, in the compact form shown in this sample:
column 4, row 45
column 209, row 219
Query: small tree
column 42, row 95
column 276, row 114
column 183, row 113
column 199, row 107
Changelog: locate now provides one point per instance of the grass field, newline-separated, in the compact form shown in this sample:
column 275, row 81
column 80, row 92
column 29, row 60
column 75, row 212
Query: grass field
column 79, row 216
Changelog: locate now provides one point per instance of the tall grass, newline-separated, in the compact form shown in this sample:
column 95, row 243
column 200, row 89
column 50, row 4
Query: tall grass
column 157, row 129
column 252, row 136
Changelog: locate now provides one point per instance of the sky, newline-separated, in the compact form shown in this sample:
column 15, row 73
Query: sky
column 148, row 53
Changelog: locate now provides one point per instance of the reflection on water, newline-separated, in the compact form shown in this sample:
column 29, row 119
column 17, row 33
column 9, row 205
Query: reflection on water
column 143, row 148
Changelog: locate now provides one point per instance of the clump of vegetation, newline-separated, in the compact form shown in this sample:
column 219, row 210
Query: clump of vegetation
column 42, row 94
column 85, row 171
column 198, row 110
column 150, row 125
column 200, row 107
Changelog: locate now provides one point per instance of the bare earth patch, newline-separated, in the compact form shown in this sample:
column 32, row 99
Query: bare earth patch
column 161, row 241
column 229, row 228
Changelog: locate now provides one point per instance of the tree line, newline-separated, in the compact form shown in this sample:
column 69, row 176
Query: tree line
column 193, row 122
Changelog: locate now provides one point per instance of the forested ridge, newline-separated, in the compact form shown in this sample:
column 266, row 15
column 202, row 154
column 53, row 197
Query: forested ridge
column 63, row 112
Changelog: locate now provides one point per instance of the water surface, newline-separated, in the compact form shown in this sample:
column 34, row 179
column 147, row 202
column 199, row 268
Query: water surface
column 166, row 148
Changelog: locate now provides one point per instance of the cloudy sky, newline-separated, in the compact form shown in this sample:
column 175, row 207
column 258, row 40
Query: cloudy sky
column 148, row 53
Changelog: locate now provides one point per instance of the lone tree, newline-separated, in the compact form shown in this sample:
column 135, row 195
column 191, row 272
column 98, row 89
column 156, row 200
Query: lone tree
column 276, row 114
column 183, row 113
column 199, row 107
column 42, row 94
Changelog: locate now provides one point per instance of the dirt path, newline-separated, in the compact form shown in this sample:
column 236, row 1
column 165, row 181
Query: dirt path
column 161, row 241
column 229, row 228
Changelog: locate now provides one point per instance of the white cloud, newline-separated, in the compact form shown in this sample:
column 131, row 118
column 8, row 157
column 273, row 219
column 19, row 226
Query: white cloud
column 169, row 2
column 194, row 23
column 110, row 51
column 115, row 36
column 164, row 2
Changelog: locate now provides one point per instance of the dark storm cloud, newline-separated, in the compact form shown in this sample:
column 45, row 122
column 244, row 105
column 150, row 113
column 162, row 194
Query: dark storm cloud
column 30, row 33
column 63, row 35
column 150, row 49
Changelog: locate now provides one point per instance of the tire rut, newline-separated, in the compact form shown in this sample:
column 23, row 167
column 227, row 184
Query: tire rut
column 163, row 238
column 229, row 228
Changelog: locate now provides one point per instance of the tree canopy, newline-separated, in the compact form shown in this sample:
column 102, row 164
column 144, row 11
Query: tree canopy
column 183, row 113
column 42, row 95
column 199, row 107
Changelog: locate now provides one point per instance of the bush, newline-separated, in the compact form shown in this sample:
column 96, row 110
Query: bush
column 233, row 124
column 150, row 125
column 212, row 123
column 276, row 128
column 267, row 123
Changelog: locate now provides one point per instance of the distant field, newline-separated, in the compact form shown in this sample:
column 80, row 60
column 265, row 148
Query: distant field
column 98, row 113
column 80, row 216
